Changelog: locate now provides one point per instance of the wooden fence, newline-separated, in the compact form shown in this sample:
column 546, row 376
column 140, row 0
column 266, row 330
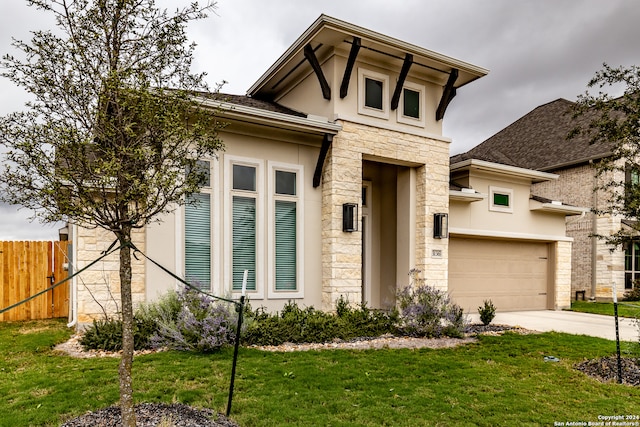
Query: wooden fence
column 27, row 268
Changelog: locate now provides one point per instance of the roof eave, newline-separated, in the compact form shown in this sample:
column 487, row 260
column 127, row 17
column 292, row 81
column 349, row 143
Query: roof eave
column 472, row 72
column 257, row 115
column 533, row 175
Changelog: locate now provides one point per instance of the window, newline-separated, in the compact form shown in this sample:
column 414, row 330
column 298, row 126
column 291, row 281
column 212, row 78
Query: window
column 244, row 226
column 631, row 263
column 411, row 103
column 411, row 107
column 631, row 187
column 197, row 233
column 373, row 94
column 501, row 199
column 286, row 235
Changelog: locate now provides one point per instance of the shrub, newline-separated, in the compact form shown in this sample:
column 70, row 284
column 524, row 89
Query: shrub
column 487, row 312
column 634, row 293
column 197, row 323
column 106, row 334
column 308, row 325
column 428, row 312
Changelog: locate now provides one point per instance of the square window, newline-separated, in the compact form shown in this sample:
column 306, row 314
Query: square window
column 500, row 199
column 373, row 93
column 244, row 178
column 411, row 103
column 286, row 183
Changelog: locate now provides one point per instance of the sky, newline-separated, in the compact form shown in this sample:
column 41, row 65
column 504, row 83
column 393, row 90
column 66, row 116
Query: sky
column 536, row 51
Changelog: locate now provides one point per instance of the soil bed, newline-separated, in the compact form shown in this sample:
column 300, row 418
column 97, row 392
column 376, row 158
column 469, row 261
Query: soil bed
column 605, row 369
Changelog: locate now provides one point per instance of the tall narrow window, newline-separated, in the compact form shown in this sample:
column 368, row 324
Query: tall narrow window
column 285, row 231
column 631, row 263
column 244, row 226
column 197, row 233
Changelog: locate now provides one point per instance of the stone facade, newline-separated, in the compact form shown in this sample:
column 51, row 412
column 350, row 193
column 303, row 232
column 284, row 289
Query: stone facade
column 563, row 275
column 342, row 183
column 98, row 288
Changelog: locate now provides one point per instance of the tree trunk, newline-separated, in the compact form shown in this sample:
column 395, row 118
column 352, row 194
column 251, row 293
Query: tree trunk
column 126, row 361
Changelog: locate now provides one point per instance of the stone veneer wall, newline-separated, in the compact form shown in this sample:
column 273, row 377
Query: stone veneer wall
column 99, row 287
column 563, row 275
column 342, row 183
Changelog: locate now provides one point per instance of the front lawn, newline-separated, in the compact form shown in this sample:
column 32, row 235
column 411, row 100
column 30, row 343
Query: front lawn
column 625, row 308
column 501, row 380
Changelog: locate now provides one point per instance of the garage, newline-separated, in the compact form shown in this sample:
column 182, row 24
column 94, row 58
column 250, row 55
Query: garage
column 513, row 274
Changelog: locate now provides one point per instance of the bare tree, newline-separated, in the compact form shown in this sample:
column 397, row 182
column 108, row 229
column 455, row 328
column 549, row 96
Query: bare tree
column 113, row 133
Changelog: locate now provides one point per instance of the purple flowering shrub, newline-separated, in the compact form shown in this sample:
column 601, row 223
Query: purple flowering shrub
column 428, row 312
column 196, row 322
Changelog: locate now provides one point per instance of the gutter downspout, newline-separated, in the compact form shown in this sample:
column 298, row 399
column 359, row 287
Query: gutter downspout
column 73, row 289
column 594, row 238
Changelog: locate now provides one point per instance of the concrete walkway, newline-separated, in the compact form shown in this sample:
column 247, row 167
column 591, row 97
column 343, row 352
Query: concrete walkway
column 594, row 325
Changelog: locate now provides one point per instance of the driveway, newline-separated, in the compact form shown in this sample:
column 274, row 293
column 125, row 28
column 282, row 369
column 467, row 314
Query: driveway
column 594, row 325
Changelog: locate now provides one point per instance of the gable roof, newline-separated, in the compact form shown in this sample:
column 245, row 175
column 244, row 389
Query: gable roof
column 327, row 34
column 538, row 141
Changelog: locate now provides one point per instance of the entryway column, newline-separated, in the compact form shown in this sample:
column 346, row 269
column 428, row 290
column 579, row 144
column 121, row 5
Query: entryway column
column 341, row 251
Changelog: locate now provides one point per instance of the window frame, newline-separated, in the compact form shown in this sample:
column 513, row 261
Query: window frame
column 258, row 194
column 272, row 168
column 502, row 191
column 364, row 74
column 634, row 256
column 401, row 117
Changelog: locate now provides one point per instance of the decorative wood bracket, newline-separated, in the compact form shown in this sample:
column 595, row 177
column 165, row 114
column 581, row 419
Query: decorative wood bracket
column 310, row 55
column 408, row 60
column 448, row 94
column 326, row 143
column 353, row 54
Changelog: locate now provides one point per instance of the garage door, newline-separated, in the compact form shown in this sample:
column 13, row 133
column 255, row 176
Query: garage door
column 514, row 275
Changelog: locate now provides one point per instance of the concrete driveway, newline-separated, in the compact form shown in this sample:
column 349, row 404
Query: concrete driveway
column 594, row 325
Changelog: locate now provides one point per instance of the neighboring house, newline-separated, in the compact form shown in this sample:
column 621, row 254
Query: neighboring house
column 334, row 176
column 538, row 141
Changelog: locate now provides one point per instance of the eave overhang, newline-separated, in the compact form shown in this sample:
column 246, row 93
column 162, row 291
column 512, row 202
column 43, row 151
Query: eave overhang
column 466, row 195
column 327, row 34
column 556, row 208
column 244, row 113
column 506, row 170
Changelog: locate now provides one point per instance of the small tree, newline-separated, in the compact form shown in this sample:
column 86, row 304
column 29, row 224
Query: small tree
column 113, row 134
column 615, row 120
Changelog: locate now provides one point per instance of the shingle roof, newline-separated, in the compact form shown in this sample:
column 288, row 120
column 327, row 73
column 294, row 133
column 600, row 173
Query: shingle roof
column 247, row 101
column 539, row 141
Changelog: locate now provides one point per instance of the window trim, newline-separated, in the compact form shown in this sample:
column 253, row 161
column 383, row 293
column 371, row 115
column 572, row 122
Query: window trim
column 272, row 167
column 362, row 108
column 401, row 117
column 229, row 192
column 633, row 271
column 504, row 191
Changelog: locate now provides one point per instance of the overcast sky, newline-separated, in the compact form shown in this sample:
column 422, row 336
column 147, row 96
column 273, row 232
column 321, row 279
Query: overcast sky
column 536, row 51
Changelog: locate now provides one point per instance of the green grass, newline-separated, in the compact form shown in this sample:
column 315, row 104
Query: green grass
column 625, row 308
column 498, row 381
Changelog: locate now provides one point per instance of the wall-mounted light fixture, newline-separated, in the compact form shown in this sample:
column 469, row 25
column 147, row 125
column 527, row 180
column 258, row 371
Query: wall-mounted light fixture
column 440, row 226
column 349, row 217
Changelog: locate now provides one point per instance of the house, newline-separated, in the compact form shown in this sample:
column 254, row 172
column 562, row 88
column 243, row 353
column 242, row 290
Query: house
column 538, row 141
column 334, row 177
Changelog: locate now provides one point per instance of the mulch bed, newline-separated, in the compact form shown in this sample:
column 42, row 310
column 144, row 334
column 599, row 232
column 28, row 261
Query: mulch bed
column 152, row 415
column 605, row 369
